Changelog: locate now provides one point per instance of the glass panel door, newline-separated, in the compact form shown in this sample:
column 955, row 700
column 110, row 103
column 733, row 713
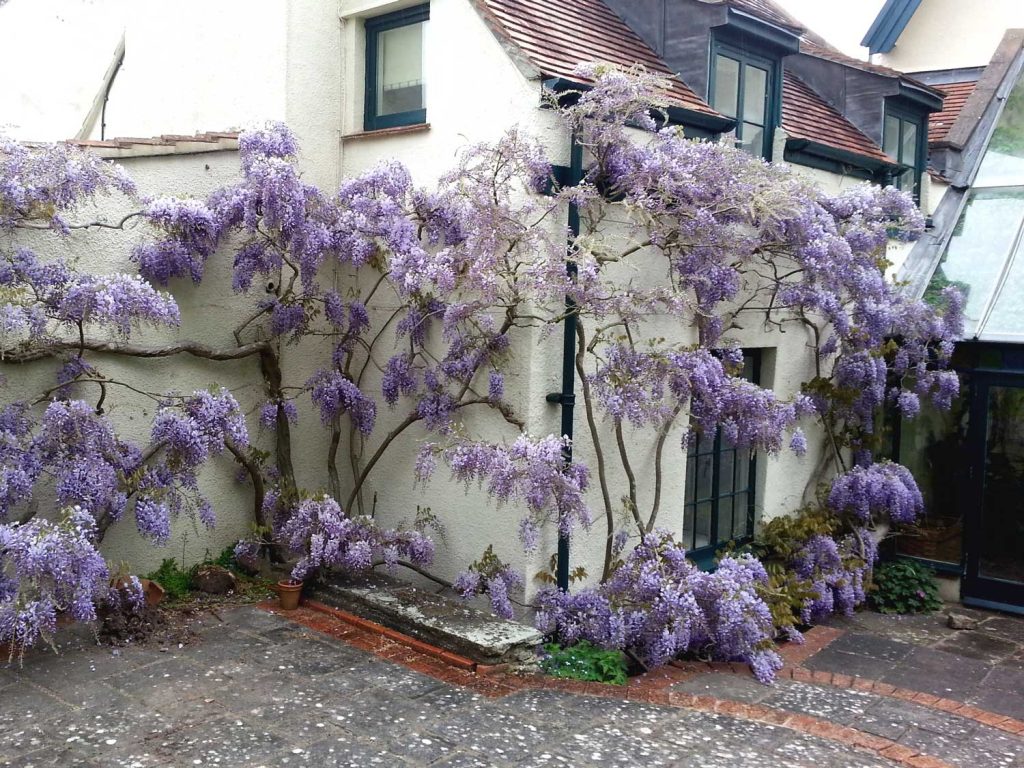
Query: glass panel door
column 995, row 542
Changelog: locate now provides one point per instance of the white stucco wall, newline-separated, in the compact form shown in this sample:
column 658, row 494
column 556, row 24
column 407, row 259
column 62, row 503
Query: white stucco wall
column 208, row 313
column 945, row 34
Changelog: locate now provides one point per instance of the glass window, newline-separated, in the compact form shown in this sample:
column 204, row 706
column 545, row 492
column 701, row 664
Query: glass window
column 902, row 140
column 742, row 88
column 982, row 242
column 394, row 69
column 1003, row 164
column 719, row 502
column 932, row 448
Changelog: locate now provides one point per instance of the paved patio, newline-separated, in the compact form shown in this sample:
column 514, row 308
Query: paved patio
column 260, row 689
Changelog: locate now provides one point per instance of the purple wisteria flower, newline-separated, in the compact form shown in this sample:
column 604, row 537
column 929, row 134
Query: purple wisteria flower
column 324, row 537
column 48, row 568
column 885, row 489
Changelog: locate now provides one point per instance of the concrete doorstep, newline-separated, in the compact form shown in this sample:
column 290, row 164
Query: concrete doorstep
column 440, row 621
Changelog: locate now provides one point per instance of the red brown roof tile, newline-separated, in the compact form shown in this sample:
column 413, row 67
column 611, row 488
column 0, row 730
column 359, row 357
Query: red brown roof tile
column 558, row 35
column 956, row 96
column 805, row 115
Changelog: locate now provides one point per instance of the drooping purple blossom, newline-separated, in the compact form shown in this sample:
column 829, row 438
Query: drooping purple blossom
column 324, row 537
column 882, row 490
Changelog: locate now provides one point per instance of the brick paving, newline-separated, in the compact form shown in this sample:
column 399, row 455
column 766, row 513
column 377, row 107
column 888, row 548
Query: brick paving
column 321, row 688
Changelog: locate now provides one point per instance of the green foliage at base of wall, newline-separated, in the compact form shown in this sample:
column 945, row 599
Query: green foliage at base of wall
column 586, row 662
column 904, row 586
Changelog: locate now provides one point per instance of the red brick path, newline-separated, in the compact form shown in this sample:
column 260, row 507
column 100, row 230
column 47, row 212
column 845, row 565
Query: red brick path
column 651, row 687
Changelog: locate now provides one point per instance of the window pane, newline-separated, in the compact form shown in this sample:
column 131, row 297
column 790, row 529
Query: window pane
column 909, row 155
column 688, row 530
column 1004, row 160
column 1007, row 316
column 753, row 138
column 727, row 85
column 400, row 70
column 691, row 476
column 755, row 94
column 743, row 470
column 724, row 519
column 705, row 467
column 979, row 247
column 739, row 526
column 706, row 443
column 725, row 467
column 891, row 139
column 702, row 535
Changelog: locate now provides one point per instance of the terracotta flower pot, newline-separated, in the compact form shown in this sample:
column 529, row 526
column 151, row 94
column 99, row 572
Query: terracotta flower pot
column 288, row 594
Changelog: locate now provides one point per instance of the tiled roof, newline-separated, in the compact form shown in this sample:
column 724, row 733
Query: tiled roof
column 956, row 96
column 805, row 115
column 558, row 35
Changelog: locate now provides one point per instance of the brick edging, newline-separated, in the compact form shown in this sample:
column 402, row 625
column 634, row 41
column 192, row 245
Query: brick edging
column 819, row 638
column 650, row 688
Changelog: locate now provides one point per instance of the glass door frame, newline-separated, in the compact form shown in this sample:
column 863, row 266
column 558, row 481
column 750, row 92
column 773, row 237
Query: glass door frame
column 978, row 590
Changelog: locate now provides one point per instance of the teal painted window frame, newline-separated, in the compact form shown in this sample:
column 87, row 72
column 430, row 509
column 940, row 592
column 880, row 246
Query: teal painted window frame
column 920, row 120
column 374, row 26
column 761, row 57
column 704, row 556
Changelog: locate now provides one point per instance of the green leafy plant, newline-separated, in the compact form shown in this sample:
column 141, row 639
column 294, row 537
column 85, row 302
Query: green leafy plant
column 176, row 582
column 584, row 661
column 904, row 586
column 786, row 594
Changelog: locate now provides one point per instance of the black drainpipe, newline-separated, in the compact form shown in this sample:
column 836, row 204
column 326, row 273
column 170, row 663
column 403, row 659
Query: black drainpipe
column 567, row 397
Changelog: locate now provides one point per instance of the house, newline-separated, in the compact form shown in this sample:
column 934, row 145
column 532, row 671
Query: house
column 365, row 80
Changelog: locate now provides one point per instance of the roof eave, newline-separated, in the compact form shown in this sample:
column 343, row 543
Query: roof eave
column 921, row 95
column 783, row 38
column 873, row 165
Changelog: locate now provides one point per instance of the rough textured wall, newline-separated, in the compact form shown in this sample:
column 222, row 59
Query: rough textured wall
column 208, row 313
column 947, row 34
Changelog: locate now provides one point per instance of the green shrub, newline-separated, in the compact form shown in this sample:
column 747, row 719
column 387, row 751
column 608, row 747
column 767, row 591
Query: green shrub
column 585, row 661
column 176, row 582
column 904, row 586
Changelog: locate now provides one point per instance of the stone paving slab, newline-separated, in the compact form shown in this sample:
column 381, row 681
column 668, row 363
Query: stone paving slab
column 256, row 689
column 958, row 740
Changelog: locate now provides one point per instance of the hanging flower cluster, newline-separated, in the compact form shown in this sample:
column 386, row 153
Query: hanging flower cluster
column 529, row 471
column 324, row 537
column 45, row 569
column 837, row 571
column 659, row 605
column 490, row 576
column 885, row 490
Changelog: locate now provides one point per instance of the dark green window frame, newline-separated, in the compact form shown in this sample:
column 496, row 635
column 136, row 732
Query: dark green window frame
column 724, row 459
column 374, row 27
column 896, row 123
column 748, row 55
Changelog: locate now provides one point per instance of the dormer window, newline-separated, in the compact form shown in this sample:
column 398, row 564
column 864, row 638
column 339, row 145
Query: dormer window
column 904, row 139
column 743, row 86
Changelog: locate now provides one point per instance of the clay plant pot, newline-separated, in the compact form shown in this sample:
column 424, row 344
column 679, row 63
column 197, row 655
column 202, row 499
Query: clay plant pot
column 288, row 594
column 153, row 592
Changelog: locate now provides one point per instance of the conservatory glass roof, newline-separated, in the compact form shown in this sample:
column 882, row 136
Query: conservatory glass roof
column 984, row 257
